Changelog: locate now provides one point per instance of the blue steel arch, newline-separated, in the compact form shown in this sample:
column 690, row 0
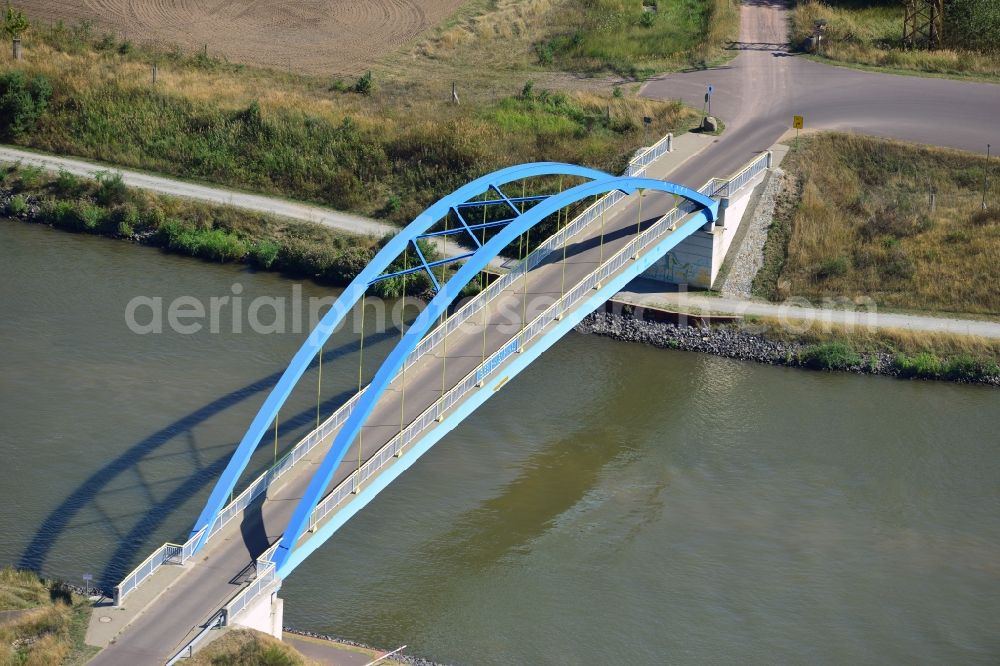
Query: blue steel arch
column 336, row 314
column 299, row 521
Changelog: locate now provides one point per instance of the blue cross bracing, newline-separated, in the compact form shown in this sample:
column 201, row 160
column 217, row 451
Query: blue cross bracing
column 464, row 228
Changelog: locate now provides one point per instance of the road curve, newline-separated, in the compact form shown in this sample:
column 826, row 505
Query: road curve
column 758, row 92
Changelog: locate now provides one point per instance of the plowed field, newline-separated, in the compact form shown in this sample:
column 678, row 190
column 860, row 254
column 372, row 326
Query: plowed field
column 315, row 36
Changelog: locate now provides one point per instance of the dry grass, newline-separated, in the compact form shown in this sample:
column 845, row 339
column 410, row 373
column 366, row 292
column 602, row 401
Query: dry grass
column 944, row 345
column 862, row 226
column 246, row 647
column 872, row 35
column 603, row 39
column 51, row 632
column 386, row 154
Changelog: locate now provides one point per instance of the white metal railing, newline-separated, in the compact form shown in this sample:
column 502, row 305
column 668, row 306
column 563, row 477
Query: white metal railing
column 179, row 554
column 265, row 566
column 187, row 651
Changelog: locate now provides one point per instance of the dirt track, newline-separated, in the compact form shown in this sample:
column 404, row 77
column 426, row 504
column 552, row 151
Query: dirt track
column 315, row 36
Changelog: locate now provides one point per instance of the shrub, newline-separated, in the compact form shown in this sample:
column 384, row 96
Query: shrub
column 67, row 185
column 393, row 204
column 22, row 101
column 17, row 205
column 348, row 264
column 973, row 24
column 830, row 356
column 111, row 188
column 213, row 244
column 832, row 267
column 545, row 52
column 29, row 176
column 72, row 215
column 126, row 220
column 982, row 218
column 898, row 264
column 300, row 257
column 966, row 367
column 364, row 85
column 264, row 253
column 922, row 366
column 87, row 216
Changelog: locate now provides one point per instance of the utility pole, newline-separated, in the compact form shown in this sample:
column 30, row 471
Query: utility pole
column 923, row 23
column 986, row 175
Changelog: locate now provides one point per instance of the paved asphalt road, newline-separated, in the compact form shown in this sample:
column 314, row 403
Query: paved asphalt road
column 758, row 92
column 755, row 94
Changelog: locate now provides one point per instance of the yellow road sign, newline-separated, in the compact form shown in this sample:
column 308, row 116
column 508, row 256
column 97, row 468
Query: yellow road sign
column 797, row 122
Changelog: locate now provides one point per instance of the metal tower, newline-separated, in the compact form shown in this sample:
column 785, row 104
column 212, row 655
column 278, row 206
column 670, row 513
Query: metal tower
column 922, row 23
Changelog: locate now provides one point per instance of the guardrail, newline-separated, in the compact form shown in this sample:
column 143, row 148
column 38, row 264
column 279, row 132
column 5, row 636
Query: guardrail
column 265, row 576
column 218, row 620
column 433, row 414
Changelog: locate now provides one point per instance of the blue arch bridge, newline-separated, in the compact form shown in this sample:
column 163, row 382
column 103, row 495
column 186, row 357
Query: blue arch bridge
column 444, row 365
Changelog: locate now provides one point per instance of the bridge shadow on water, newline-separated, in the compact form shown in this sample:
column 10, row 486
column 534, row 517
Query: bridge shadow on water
column 133, row 543
column 551, row 482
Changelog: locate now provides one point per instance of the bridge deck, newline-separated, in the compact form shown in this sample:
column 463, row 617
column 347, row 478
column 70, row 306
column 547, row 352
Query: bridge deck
column 226, row 563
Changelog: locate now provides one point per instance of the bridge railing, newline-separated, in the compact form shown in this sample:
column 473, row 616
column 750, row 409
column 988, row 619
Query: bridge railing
column 265, row 576
column 165, row 553
column 726, row 187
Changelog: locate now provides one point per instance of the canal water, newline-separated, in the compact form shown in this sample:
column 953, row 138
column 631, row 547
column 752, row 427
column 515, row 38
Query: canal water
column 613, row 504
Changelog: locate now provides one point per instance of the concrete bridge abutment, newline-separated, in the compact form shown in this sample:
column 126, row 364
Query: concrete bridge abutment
column 265, row 613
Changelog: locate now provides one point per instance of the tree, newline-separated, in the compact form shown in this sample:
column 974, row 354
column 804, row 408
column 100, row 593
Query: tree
column 973, row 24
column 22, row 102
column 15, row 23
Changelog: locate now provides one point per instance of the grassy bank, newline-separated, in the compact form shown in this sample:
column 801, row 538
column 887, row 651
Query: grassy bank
column 870, row 33
column 908, row 354
column 245, row 647
column 214, row 233
column 856, row 222
column 638, row 39
column 375, row 148
column 51, row 629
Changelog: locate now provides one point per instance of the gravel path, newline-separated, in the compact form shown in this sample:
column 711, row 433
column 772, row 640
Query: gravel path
column 345, row 222
column 642, row 292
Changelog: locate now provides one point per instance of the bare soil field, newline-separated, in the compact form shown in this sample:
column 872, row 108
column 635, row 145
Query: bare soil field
column 310, row 36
